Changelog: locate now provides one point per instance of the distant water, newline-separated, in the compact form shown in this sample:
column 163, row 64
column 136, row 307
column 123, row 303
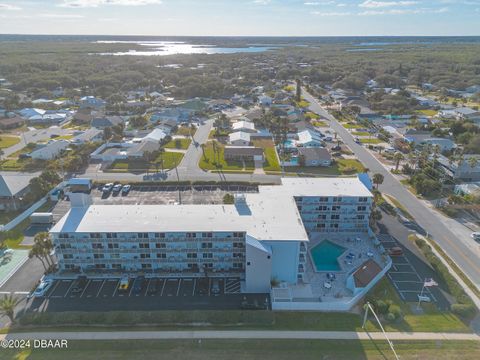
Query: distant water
column 163, row 48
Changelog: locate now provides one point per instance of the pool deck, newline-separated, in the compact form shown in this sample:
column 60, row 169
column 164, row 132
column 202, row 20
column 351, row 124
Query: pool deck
column 313, row 287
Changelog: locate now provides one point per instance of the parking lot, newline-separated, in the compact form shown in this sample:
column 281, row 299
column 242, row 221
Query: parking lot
column 159, row 287
column 408, row 274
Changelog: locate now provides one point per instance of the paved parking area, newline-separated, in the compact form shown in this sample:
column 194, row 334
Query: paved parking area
column 406, row 277
column 155, row 294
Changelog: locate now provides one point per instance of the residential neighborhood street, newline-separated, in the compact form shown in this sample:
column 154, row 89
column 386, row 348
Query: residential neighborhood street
column 454, row 240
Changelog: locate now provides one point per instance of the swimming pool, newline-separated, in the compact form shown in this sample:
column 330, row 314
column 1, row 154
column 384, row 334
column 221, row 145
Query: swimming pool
column 325, row 256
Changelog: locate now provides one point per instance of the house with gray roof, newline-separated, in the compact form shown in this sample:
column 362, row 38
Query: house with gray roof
column 106, row 121
column 13, row 186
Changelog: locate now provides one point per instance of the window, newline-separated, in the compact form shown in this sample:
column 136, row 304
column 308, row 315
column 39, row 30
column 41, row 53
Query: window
column 363, row 199
column 323, row 217
column 334, row 226
column 191, row 235
column 146, row 266
column 97, row 246
column 144, row 246
column 67, row 256
column 320, row 226
column 207, row 255
column 323, row 199
column 192, row 255
column 113, row 246
column 237, row 255
column 335, row 217
column 238, row 245
column 208, row 265
column 192, row 266
column 142, row 235
column 144, row 256
column 161, row 256
column 360, row 217
column 337, row 199
column 116, row 266
column 207, row 245
column 238, row 235
column 361, row 208
column 160, row 245
column 207, row 235
column 98, row 256
column 322, row 208
column 63, row 236
column 335, row 207
column 160, row 235
column 111, row 235
column 114, row 256
column 237, row 265
column 95, row 235
column 100, row 266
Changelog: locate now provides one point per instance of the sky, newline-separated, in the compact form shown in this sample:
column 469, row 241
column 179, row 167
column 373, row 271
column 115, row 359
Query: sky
column 241, row 17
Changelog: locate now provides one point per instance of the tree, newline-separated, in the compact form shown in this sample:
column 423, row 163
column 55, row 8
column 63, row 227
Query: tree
column 161, row 151
column 7, row 306
column 378, row 179
column 107, row 133
column 397, row 157
column 472, row 162
column 298, row 95
column 203, row 151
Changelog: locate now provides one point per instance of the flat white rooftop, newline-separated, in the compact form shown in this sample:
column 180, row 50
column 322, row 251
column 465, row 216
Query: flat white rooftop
column 270, row 214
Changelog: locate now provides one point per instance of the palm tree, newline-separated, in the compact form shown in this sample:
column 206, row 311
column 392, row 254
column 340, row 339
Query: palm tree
column 36, row 251
column 161, row 151
column 378, row 179
column 7, row 307
column 397, row 157
column 1, row 156
column 42, row 248
column 472, row 162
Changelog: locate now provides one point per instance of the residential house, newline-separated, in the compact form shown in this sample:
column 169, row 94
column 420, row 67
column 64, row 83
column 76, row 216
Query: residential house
column 176, row 114
column 254, row 114
column 265, row 100
column 314, row 157
column 106, row 121
column 138, row 150
column 167, row 126
column 245, row 153
column 11, row 122
column 48, row 118
column 239, row 138
column 466, row 113
column 425, row 138
column 308, row 138
column 465, row 171
column 468, row 189
column 244, row 126
column 84, row 116
column 90, row 135
column 13, row 186
column 92, row 102
column 473, row 89
column 49, row 151
column 156, row 135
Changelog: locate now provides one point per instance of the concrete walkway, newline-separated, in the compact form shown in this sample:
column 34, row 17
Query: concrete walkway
column 240, row 334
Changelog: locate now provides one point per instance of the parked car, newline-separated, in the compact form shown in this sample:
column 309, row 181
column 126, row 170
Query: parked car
column 215, row 287
column 476, row 236
column 107, row 188
column 138, row 285
column 79, row 284
column 395, row 251
column 117, row 188
column 124, row 284
column 424, row 298
column 42, row 289
column 126, row 189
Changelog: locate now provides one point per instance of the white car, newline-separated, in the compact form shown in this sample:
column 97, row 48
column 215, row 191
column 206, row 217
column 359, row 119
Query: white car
column 117, row 188
column 42, row 289
column 107, row 188
column 476, row 236
column 424, row 298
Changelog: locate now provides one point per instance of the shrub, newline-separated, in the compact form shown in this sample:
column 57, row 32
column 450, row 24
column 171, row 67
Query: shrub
column 464, row 310
column 382, row 307
column 391, row 317
column 396, row 311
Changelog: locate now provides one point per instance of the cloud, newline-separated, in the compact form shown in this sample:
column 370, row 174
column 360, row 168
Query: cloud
column 321, row 13
column 9, row 7
column 403, row 11
column 383, row 4
column 262, row 2
column 317, row 3
column 97, row 3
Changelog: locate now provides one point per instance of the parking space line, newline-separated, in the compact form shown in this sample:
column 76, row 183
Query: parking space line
column 131, row 289
column 163, row 286
column 146, row 287
column 85, row 288
column 68, row 290
column 178, row 289
column 53, row 290
column 209, row 285
column 116, row 288
column 101, row 287
column 193, row 287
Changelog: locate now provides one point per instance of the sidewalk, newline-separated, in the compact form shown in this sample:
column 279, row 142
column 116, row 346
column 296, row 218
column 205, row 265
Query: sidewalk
column 241, row 334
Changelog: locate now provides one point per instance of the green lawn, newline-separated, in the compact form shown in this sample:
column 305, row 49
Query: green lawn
column 360, row 133
column 397, row 204
column 289, row 88
column 170, row 160
column 252, row 349
column 319, row 123
column 371, row 141
column 182, row 144
column 350, row 166
column 339, row 167
column 218, row 162
column 352, row 126
column 27, row 149
column 303, row 103
column 6, row 141
column 185, row 131
column 271, row 159
column 428, row 112
column 431, row 320
column 312, row 115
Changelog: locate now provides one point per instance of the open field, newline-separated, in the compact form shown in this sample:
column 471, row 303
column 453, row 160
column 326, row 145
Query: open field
column 6, row 141
column 371, row 141
column 251, row 349
column 339, row 167
column 212, row 161
column 170, row 160
column 178, row 144
column 271, row 159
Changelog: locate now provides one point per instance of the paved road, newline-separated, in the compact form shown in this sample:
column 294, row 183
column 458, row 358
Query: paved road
column 33, row 136
column 240, row 334
column 456, row 244
column 188, row 168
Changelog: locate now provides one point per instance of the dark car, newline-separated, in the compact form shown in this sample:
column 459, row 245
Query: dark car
column 138, row 285
column 395, row 251
column 79, row 284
